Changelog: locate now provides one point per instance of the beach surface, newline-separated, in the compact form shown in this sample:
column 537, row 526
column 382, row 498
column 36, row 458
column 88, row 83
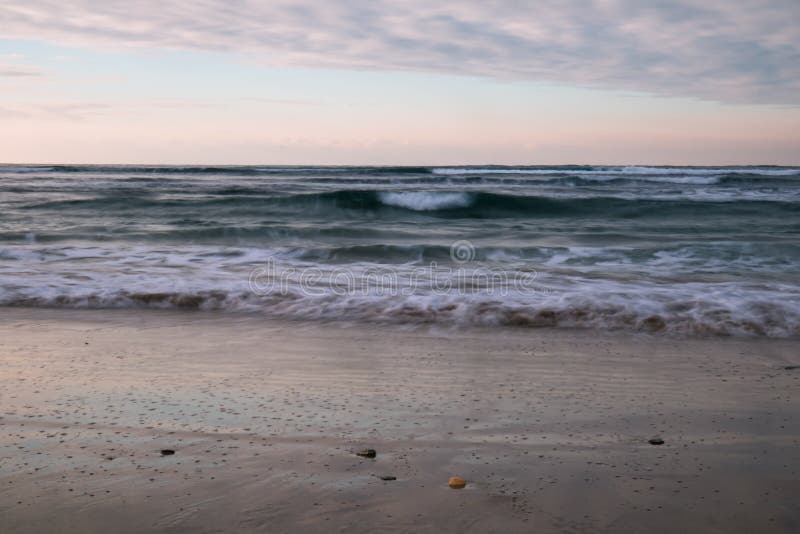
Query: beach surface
column 549, row 427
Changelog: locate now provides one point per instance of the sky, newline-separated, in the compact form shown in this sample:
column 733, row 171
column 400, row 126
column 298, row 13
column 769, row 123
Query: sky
column 402, row 82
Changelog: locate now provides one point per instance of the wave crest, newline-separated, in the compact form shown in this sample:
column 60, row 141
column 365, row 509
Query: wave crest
column 425, row 201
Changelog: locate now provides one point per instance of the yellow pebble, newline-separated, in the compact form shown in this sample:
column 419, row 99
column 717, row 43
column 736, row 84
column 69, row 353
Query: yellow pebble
column 457, row 482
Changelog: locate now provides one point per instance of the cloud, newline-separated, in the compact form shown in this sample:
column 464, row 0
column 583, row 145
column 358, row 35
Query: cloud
column 79, row 110
column 283, row 101
column 54, row 110
column 18, row 71
column 746, row 51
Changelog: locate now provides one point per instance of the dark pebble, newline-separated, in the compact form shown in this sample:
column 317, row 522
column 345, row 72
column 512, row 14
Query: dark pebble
column 167, row 452
column 656, row 441
column 388, row 477
column 367, row 453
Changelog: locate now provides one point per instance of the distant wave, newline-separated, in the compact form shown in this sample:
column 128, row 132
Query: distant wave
column 544, row 170
column 622, row 170
column 241, row 170
column 446, row 204
column 23, row 169
column 688, row 179
column 710, row 170
column 537, row 170
column 254, row 179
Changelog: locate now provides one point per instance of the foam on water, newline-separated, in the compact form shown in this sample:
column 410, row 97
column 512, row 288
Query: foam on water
column 624, row 170
column 425, row 200
column 640, row 293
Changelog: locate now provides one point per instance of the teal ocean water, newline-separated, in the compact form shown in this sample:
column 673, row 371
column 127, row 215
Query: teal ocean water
column 681, row 250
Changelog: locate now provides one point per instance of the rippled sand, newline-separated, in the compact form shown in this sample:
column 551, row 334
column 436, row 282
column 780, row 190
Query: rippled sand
column 550, row 428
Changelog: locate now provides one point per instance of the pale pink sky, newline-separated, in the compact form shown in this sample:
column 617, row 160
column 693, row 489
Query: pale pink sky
column 400, row 82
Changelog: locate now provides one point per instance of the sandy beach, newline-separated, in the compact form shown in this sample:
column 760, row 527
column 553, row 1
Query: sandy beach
column 550, row 428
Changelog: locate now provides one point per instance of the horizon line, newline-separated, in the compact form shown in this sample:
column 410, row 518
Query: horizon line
column 389, row 165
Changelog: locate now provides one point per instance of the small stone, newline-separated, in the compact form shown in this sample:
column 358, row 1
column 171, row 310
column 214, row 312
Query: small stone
column 456, row 482
column 388, row 477
column 167, row 452
column 655, row 441
column 367, row 453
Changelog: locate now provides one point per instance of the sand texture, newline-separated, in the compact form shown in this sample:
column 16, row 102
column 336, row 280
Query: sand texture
column 549, row 428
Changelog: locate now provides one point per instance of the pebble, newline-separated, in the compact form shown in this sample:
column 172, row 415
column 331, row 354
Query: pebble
column 367, row 453
column 656, row 441
column 456, row 482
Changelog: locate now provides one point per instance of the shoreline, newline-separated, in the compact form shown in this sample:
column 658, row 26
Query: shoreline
column 549, row 427
column 652, row 327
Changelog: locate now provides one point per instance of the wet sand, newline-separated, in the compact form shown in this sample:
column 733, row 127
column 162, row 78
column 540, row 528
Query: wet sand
column 550, row 428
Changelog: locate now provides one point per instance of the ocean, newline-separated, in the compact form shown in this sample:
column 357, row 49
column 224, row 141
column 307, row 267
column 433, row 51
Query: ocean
column 668, row 250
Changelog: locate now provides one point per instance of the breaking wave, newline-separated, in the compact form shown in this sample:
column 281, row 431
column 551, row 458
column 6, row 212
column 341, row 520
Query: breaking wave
column 424, row 200
column 759, row 315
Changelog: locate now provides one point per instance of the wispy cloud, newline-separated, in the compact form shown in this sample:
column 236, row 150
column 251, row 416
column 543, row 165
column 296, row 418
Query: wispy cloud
column 54, row 110
column 80, row 110
column 282, row 101
column 9, row 70
column 743, row 51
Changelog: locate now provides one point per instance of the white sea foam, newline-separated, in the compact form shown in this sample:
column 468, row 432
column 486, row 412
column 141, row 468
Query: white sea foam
column 632, row 169
column 666, row 175
column 455, row 170
column 672, row 178
column 425, row 200
column 567, row 291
